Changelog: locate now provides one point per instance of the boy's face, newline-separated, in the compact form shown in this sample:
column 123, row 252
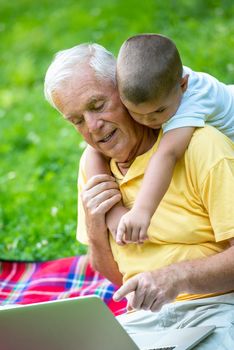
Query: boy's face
column 154, row 113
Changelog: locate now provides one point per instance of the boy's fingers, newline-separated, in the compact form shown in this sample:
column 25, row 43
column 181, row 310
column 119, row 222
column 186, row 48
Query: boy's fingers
column 120, row 233
column 128, row 232
column 143, row 235
column 135, row 234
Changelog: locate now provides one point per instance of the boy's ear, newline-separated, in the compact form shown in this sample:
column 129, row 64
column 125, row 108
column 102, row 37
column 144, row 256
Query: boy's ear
column 184, row 83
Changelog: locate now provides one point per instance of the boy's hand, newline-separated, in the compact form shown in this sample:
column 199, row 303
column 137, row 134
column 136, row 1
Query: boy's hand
column 133, row 227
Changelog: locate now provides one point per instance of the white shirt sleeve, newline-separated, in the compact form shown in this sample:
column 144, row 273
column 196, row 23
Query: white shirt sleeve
column 191, row 112
column 206, row 101
column 197, row 103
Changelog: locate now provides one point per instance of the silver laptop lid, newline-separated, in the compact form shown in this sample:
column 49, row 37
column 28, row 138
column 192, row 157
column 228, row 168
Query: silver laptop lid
column 83, row 323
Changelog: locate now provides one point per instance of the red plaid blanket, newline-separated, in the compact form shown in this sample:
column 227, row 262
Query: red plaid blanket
column 27, row 283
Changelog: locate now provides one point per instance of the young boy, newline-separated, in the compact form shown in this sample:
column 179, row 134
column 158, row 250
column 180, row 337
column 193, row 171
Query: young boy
column 159, row 92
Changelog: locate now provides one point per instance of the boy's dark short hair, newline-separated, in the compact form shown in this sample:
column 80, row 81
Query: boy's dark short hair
column 148, row 67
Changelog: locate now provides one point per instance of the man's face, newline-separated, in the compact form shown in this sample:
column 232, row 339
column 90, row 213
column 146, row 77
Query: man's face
column 95, row 109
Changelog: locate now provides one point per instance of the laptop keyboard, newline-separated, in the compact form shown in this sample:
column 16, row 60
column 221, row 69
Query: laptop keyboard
column 164, row 348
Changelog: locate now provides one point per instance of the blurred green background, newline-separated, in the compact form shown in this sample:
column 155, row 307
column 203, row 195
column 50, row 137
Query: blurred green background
column 39, row 151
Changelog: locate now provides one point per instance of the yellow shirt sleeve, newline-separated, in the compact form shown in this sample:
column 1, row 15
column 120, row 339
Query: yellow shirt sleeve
column 212, row 169
column 216, row 191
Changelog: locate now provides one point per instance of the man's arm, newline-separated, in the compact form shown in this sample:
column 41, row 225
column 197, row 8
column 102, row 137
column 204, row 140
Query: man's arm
column 151, row 290
column 96, row 164
column 98, row 196
column 211, row 274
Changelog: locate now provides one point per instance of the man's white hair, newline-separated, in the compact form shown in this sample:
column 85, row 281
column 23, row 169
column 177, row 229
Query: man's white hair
column 66, row 62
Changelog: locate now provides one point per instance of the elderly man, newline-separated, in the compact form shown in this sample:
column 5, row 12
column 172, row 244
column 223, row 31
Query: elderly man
column 189, row 257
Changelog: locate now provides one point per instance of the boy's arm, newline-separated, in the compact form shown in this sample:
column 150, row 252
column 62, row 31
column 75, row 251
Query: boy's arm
column 96, row 164
column 134, row 225
column 160, row 169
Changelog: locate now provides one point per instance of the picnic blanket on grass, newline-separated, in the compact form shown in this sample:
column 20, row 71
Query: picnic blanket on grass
column 33, row 282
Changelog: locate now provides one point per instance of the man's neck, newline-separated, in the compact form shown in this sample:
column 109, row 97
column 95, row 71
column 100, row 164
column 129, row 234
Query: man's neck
column 146, row 141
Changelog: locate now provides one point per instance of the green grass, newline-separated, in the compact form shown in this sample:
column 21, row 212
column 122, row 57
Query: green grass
column 39, row 151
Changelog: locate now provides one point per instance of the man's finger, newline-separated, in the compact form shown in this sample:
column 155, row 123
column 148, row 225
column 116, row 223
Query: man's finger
column 100, row 188
column 128, row 287
column 129, row 302
column 95, row 202
column 98, row 179
column 109, row 203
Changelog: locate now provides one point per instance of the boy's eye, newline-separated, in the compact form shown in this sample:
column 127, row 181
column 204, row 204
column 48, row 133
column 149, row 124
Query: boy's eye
column 161, row 110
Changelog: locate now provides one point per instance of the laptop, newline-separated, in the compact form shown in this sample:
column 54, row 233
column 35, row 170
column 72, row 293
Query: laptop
column 83, row 323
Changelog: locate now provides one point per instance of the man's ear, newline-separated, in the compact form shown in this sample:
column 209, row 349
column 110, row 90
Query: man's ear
column 184, row 83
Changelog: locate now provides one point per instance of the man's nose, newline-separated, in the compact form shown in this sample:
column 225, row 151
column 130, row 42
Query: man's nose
column 93, row 122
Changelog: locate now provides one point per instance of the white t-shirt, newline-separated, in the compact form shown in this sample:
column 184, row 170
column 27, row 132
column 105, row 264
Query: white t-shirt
column 206, row 100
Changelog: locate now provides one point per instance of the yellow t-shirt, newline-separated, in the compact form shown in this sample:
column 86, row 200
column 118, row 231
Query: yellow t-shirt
column 196, row 215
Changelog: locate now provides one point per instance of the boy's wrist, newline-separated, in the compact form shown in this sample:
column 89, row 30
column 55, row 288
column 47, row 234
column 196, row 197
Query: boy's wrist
column 140, row 209
column 113, row 217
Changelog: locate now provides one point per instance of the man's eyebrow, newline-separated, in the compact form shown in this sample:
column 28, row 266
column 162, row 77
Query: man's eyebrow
column 95, row 99
column 70, row 117
column 90, row 102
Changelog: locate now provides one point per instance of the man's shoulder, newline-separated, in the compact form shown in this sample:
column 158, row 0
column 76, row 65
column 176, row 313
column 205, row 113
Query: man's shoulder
column 209, row 143
column 83, row 158
column 82, row 167
column 208, row 131
column 208, row 148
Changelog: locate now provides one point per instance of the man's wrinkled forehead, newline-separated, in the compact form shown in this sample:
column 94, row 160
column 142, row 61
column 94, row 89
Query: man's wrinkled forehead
column 68, row 92
column 77, row 95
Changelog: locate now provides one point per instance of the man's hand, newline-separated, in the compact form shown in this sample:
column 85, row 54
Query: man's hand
column 151, row 290
column 133, row 227
column 99, row 195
